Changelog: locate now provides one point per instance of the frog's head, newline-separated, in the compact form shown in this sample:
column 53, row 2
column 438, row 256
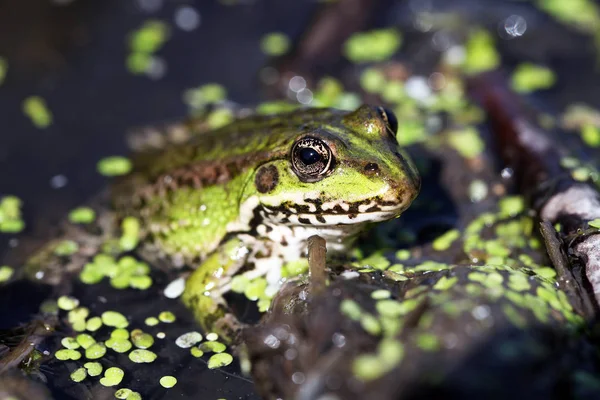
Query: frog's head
column 347, row 170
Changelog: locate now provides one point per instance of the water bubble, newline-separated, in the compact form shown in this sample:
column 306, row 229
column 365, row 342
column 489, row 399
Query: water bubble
column 58, row 181
column 481, row 312
column 290, row 354
column 441, row 40
column 149, row 5
column 297, row 83
column 187, row 18
column 272, row 342
column 157, row 68
column 305, row 96
column 418, row 88
column 298, row 378
column 338, row 340
column 515, row 25
column 507, row 173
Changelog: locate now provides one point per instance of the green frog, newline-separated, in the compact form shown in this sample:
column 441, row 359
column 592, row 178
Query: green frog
column 244, row 199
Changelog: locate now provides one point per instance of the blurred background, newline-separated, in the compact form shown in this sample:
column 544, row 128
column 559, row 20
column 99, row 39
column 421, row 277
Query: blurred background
column 72, row 83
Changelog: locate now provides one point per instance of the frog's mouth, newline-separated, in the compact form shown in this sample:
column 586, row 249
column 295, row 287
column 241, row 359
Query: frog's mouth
column 338, row 214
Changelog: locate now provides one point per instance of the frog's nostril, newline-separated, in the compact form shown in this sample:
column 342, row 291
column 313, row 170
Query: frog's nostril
column 371, row 168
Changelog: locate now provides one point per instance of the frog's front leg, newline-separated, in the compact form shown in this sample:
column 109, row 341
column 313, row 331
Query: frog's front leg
column 209, row 282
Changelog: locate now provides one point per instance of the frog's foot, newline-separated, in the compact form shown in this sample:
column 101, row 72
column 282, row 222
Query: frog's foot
column 212, row 311
column 206, row 287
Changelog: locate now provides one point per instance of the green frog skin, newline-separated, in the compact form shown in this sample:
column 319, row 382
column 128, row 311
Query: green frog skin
column 244, row 199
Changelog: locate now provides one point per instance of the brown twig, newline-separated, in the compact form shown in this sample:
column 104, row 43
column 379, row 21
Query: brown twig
column 316, row 264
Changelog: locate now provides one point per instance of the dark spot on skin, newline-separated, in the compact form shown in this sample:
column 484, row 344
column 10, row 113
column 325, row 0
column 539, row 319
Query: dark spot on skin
column 338, row 209
column 304, row 221
column 266, row 179
column 371, row 209
column 371, row 168
column 320, row 219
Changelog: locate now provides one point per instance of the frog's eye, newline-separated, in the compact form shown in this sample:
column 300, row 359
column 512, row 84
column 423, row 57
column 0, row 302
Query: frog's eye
column 311, row 159
column 390, row 120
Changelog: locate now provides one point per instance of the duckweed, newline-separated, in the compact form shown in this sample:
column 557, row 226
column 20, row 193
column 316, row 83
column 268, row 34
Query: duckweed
column 6, row 273
column 36, row 109
column 3, row 69
column 67, row 354
column 275, row 44
column 78, row 375
column 466, row 142
column 143, row 42
column 118, row 345
column 85, row 340
column 130, row 236
column 380, row 294
column 370, row 324
column 373, row 80
column 95, row 351
column 114, row 166
column 141, row 340
column 188, row 340
column 427, row 341
column 445, row 283
column 215, row 347
column 93, row 324
column 481, row 54
column 70, row 343
column 403, row 254
column 167, row 317
column 67, row 303
column 372, row 46
column 82, row 215
column 123, row 393
column 93, row 368
column 529, row 77
column 219, row 360
column 10, row 215
column 590, row 134
column 114, row 319
column 196, row 352
column 212, row 336
column 112, row 376
column 219, row 118
column 350, row 309
column 120, row 333
column 142, row 356
column 168, row 381
column 510, row 206
column 444, row 241
column 66, row 248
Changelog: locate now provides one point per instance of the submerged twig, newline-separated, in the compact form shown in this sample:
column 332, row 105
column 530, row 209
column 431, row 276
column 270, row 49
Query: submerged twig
column 556, row 197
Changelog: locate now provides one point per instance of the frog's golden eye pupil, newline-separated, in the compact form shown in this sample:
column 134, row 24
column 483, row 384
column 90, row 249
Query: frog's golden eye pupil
column 309, row 156
column 311, row 159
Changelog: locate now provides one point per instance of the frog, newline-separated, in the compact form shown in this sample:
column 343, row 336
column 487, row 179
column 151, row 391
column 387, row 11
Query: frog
column 244, row 198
